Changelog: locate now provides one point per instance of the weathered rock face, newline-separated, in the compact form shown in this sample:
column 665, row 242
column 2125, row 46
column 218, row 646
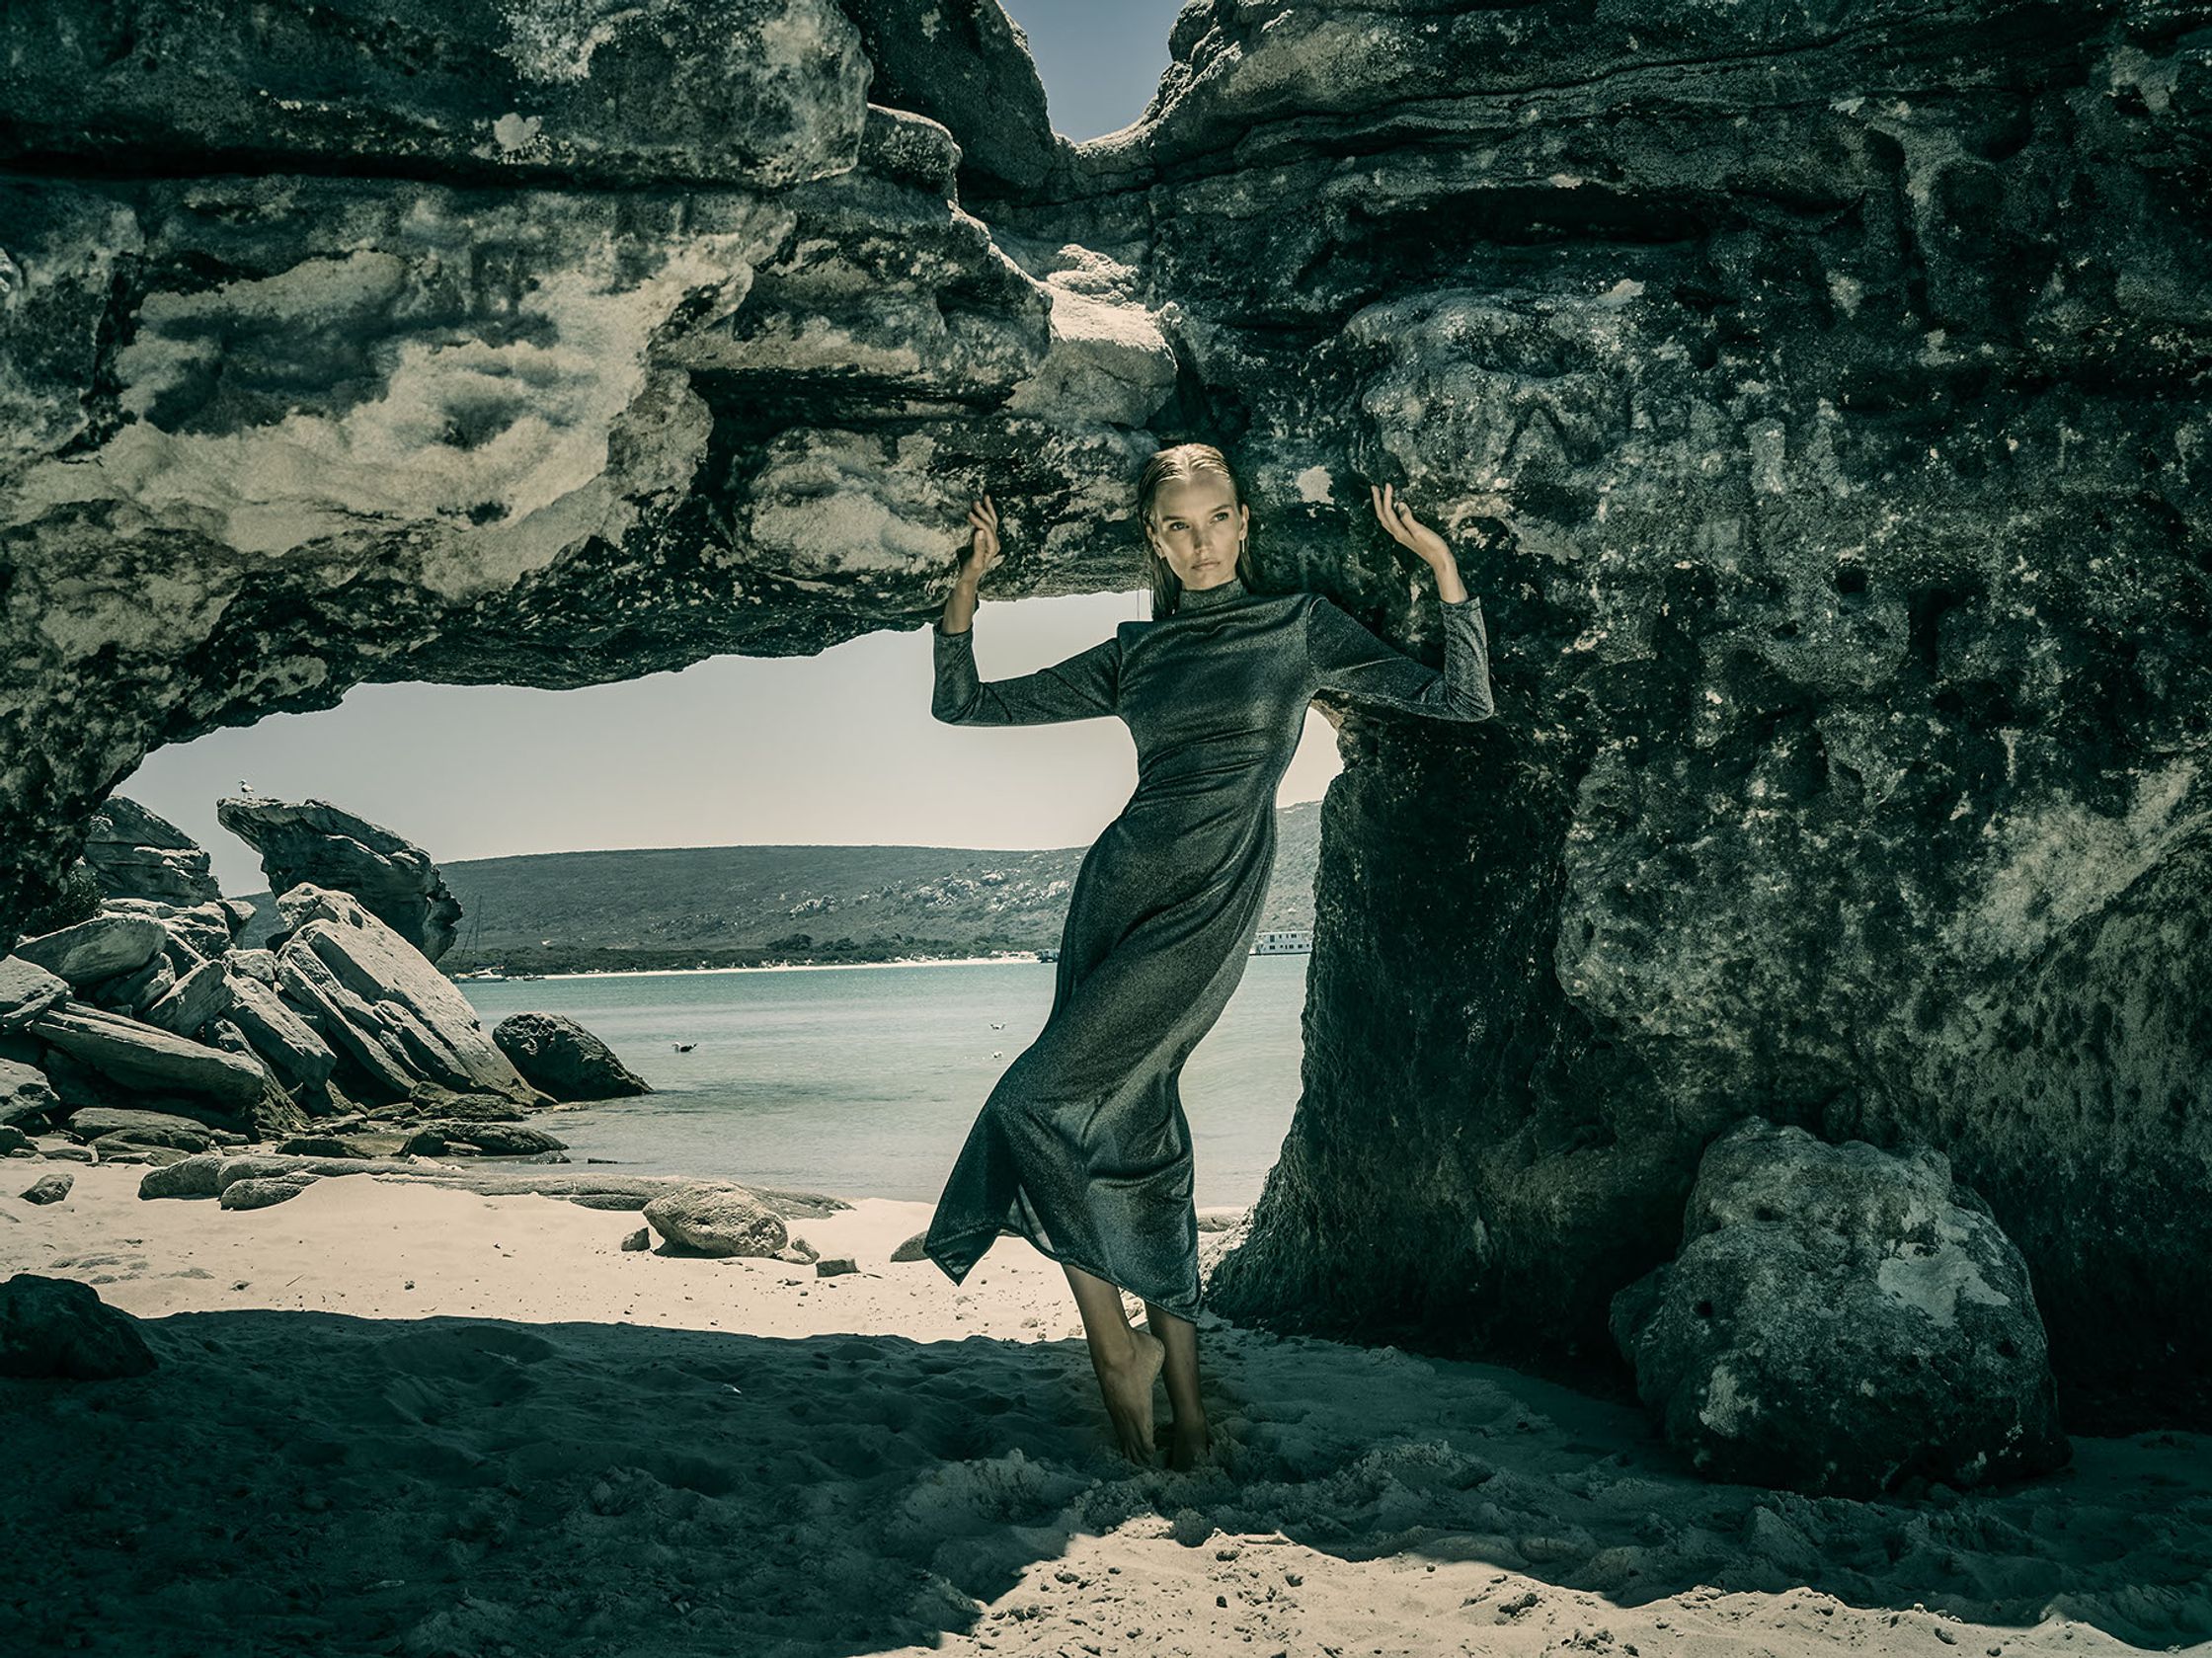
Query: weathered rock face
column 1816, row 403
column 326, row 845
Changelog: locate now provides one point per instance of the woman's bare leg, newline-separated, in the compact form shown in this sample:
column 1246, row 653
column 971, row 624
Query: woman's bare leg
column 1180, row 1337
column 1128, row 1361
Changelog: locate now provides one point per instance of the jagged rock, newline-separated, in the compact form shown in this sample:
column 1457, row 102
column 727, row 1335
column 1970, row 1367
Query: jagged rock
column 257, row 964
column 317, row 845
column 144, row 1056
column 48, row 1188
column 137, row 853
column 911, row 1249
column 642, row 1239
column 454, row 1137
column 26, row 1098
column 378, row 997
column 237, row 911
column 565, row 1059
column 704, row 1220
column 834, row 1266
column 261, row 1194
column 196, row 998
column 101, row 947
column 131, row 993
column 695, row 89
column 194, row 933
column 969, row 68
column 26, row 990
column 1840, row 1321
column 279, row 1037
column 59, row 1327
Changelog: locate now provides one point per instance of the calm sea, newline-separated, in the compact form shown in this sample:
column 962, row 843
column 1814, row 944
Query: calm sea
column 863, row 1081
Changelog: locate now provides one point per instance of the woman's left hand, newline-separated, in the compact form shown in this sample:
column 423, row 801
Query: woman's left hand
column 1432, row 549
column 1397, row 518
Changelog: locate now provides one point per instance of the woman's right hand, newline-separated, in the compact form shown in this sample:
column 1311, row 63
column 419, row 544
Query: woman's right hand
column 983, row 552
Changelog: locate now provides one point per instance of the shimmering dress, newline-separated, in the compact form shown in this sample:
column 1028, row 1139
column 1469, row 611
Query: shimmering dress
column 1082, row 1146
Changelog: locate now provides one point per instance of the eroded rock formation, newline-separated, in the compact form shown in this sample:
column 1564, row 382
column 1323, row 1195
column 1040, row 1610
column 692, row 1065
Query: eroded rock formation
column 326, row 845
column 1816, row 397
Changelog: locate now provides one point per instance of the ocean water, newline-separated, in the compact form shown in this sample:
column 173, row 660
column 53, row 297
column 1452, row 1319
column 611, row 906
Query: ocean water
column 863, row 1081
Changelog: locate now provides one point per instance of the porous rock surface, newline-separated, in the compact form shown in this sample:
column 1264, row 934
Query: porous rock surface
column 1814, row 397
column 1841, row 1321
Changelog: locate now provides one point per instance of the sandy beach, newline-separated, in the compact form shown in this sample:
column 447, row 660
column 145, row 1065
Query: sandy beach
column 394, row 1418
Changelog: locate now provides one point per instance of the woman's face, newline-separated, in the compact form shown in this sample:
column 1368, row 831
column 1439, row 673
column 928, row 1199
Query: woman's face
column 1197, row 526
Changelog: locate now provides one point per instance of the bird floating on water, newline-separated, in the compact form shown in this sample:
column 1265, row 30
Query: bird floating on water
column 685, row 1047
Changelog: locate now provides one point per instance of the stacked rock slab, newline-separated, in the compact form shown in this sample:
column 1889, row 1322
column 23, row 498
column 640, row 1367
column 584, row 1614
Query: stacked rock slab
column 1821, row 426
column 375, row 998
column 137, row 853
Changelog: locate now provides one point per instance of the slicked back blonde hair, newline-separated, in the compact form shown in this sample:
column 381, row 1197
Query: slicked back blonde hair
column 1179, row 464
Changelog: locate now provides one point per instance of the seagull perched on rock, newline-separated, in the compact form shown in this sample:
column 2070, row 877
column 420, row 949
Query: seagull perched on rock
column 245, row 788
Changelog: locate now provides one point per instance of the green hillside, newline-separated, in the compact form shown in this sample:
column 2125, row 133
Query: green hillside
column 744, row 905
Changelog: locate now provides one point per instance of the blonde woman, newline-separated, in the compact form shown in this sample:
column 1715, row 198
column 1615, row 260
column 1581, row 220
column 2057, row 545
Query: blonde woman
column 1082, row 1146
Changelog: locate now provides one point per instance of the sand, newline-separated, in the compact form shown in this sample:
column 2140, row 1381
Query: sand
column 393, row 1418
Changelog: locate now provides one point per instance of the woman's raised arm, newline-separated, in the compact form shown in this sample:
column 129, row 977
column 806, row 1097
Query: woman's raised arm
column 1083, row 687
column 1343, row 656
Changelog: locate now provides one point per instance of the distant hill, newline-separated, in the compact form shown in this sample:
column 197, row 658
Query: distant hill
column 743, row 906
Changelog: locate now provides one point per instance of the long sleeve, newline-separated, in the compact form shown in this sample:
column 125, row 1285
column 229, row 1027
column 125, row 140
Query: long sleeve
column 1083, row 687
column 1344, row 656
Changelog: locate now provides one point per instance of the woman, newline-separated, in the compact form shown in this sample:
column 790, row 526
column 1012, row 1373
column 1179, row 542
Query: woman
column 1082, row 1146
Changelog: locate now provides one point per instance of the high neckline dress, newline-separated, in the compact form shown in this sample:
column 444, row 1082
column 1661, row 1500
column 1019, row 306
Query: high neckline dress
column 1082, row 1146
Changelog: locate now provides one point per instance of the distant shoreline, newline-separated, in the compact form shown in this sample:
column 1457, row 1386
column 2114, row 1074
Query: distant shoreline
column 779, row 967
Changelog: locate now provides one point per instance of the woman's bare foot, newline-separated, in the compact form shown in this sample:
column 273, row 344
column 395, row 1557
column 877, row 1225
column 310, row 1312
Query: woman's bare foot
column 1128, row 1388
column 1189, row 1443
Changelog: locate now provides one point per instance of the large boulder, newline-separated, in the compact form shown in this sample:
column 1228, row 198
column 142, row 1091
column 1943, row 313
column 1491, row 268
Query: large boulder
column 59, row 1327
column 561, row 1057
column 1841, row 1321
column 371, row 993
column 714, row 1220
column 316, row 844
column 137, row 853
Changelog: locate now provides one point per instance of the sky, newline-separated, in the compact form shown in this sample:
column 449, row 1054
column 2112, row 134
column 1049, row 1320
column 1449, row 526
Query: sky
column 837, row 749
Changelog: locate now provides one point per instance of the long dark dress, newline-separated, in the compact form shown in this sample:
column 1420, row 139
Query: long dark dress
column 1082, row 1146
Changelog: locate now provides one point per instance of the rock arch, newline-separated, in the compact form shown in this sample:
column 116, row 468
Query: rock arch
column 1822, row 420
